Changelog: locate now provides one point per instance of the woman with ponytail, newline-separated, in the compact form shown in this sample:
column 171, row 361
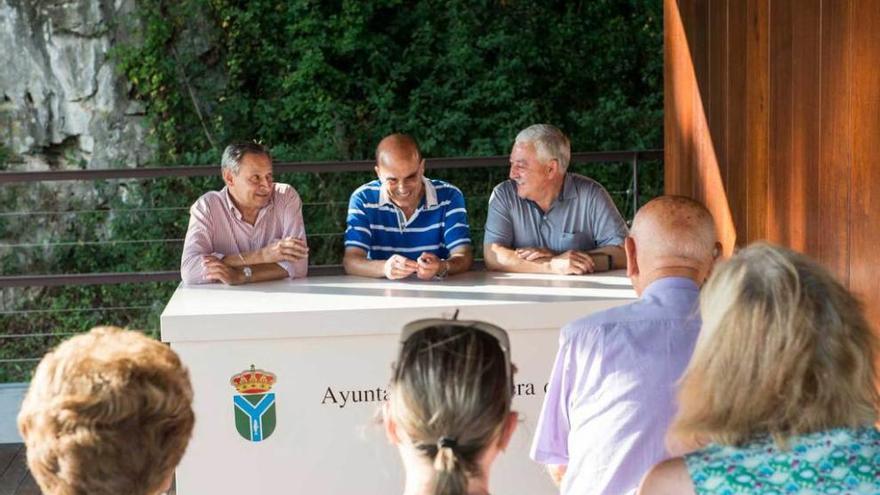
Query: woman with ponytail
column 449, row 412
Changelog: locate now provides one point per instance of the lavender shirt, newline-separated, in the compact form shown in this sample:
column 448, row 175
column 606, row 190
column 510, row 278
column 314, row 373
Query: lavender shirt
column 216, row 228
column 611, row 395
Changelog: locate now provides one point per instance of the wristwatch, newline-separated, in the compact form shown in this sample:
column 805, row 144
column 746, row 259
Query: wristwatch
column 248, row 273
column 442, row 272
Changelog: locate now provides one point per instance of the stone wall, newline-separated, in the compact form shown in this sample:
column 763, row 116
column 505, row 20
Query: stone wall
column 62, row 103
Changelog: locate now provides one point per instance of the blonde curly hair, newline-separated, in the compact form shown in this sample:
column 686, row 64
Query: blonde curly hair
column 784, row 350
column 107, row 412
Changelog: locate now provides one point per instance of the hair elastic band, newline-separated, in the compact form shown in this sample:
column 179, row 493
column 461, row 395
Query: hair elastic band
column 447, row 442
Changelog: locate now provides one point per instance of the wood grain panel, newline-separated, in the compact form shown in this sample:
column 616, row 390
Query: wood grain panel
column 717, row 98
column 782, row 169
column 805, row 65
column 757, row 117
column 865, row 237
column 680, row 87
column 781, row 100
column 835, row 152
column 698, row 43
column 737, row 166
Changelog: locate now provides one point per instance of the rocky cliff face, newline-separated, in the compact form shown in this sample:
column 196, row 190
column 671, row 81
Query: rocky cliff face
column 62, row 104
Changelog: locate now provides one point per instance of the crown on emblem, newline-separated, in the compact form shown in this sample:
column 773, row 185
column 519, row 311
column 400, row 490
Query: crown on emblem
column 253, row 381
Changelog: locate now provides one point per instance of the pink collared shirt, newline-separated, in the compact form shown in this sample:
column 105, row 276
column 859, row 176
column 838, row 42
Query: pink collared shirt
column 216, row 228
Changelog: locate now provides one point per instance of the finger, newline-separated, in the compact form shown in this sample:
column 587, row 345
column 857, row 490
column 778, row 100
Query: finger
column 524, row 253
column 401, row 273
column 578, row 265
column 534, row 255
column 410, row 265
column 591, row 264
column 295, row 251
column 219, row 276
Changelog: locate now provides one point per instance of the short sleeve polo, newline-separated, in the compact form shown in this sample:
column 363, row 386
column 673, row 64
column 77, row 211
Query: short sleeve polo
column 582, row 218
column 376, row 225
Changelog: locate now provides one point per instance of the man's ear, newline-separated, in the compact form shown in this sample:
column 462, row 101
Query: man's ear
column 552, row 167
column 228, row 177
column 507, row 431
column 390, row 425
column 718, row 252
column 632, row 266
column 717, row 255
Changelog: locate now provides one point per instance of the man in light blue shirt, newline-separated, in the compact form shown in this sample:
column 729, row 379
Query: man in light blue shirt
column 611, row 394
column 404, row 224
column 546, row 220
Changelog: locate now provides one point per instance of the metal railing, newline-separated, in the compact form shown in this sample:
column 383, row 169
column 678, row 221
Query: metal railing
column 630, row 158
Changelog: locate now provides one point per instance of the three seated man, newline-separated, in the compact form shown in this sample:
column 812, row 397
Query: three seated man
column 544, row 219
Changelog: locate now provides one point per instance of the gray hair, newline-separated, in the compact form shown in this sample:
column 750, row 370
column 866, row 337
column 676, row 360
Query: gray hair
column 233, row 154
column 550, row 143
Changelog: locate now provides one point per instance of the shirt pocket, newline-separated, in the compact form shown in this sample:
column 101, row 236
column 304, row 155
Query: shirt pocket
column 577, row 241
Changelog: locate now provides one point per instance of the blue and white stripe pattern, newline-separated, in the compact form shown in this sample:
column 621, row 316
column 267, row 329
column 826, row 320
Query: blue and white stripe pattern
column 378, row 226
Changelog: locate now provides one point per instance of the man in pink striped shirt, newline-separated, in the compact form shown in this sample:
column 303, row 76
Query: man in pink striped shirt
column 251, row 230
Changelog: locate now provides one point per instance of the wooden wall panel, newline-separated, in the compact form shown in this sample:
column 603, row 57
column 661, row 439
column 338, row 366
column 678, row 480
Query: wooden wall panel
column 737, row 166
column 677, row 102
column 782, row 167
column 805, row 135
column 757, row 107
column 781, row 100
column 835, row 153
column 865, row 236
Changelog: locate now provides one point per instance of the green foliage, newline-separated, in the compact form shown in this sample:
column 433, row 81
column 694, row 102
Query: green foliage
column 329, row 79
column 325, row 80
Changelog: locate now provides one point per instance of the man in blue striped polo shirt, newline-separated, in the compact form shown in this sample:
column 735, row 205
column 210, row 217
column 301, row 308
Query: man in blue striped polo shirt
column 404, row 223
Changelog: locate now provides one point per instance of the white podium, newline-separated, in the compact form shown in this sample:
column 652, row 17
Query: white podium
column 330, row 341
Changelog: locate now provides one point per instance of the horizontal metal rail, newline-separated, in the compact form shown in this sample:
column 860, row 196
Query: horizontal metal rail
column 324, row 167
column 625, row 158
column 123, row 278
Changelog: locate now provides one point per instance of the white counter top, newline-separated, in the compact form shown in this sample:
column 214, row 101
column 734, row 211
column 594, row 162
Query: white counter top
column 346, row 305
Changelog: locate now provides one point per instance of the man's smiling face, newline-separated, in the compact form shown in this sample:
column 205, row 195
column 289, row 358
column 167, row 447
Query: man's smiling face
column 401, row 177
column 252, row 187
column 531, row 175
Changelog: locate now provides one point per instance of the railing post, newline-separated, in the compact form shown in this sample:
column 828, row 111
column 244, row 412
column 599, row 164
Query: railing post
column 635, row 179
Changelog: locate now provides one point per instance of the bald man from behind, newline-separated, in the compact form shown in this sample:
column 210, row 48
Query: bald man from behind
column 611, row 392
column 403, row 224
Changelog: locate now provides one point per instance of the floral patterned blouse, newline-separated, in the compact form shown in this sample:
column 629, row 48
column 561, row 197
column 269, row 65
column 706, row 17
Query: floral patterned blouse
column 840, row 461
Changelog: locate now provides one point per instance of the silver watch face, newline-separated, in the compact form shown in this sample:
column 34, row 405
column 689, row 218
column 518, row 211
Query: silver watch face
column 248, row 273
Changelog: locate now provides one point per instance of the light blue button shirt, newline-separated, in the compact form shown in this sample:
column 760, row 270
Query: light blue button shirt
column 611, row 395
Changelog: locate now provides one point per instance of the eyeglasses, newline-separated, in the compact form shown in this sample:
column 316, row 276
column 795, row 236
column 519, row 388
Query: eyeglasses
column 496, row 332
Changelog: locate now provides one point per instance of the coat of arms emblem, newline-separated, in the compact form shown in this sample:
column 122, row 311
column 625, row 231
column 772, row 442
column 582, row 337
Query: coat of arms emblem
column 254, row 404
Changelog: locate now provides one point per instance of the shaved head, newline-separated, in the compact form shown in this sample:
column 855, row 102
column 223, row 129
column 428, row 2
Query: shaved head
column 397, row 147
column 675, row 227
column 672, row 233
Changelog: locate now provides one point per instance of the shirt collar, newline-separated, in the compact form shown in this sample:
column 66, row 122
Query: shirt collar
column 430, row 198
column 668, row 283
column 568, row 189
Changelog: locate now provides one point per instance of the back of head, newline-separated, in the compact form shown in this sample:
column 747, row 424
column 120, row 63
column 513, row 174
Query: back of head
column 550, row 143
column 233, row 154
column 107, row 412
column 674, row 231
column 451, row 395
column 784, row 350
